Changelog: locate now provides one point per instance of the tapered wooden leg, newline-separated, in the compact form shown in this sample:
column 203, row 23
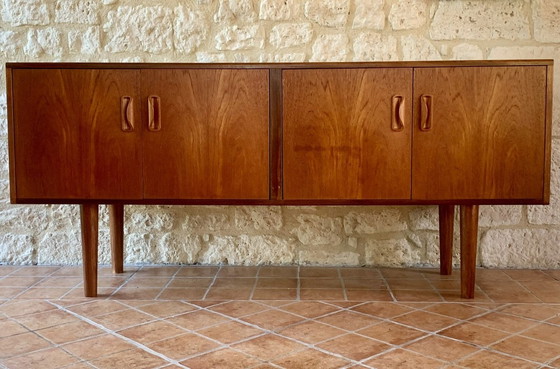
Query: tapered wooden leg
column 116, row 223
column 469, row 241
column 446, row 218
column 89, row 216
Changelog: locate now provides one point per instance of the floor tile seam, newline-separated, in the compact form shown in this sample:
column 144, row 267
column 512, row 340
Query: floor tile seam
column 254, row 284
column 488, row 349
column 310, row 346
column 166, row 285
column 342, row 284
column 121, row 286
column 550, row 361
column 389, row 289
column 363, row 361
column 52, row 345
column 120, row 336
column 16, row 296
column 125, row 307
column 212, row 283
column 531, row 319
column 277, row 333
column 298, row 285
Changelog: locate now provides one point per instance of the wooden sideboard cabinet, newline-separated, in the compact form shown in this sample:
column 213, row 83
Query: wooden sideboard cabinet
column 464, row 133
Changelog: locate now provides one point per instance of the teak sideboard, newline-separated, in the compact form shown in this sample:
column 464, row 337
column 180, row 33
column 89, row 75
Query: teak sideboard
column 463, row 133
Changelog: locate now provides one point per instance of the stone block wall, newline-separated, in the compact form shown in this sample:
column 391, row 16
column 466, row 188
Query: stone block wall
column 279, row 31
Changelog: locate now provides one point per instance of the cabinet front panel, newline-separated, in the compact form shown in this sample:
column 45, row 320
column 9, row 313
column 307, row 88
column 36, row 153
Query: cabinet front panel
column 487, row 135
column 340, row 141
column 68, row 138
column 213, row 141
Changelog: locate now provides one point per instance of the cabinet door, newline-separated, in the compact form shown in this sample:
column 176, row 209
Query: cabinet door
column 68, row 137
column 339, row 140
column 487, row 135
column 213, row 141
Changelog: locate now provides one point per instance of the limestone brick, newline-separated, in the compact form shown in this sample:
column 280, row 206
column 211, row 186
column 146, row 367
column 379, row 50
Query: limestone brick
column 139, row 28
column 64, row 217
column 499, row 215
column 151, row 222
column 328, row 13
column 532, row 248
column 371, row 46
column 278, row 9
column 204, row 223
column 76, row 11
column 190, row 29
column 424, row 218
column 141, row 247
column 550, row 215
column 282, row 58
column 323, row 257
column 418, row 48
column 44, row 41
column 239, row 38
column 369, row 14
column 249, row 250
column 175, row 248
column 408, row 14
column 392, row 253
column 84, row 42
column 206, row 57
column 4, row 192
column 17, row 248
column 466, row 51
column 26, row 12
column 318, row 230
column 25, row 218
column 330, row 48
column 546, row 20
column 263, row 218
column 290, row 35
column 60, row 248
column 10, row 42
column 235, row 10
column 480, row 20
column 4, row 165
column 375, row 220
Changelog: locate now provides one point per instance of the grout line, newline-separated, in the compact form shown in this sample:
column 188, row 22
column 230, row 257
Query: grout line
column 255, row 284
column 211, row 283
column 123, row 283
column 298, row 286
column 120, row 336
column 388, row 287
column 168, row 283
column 344, row 293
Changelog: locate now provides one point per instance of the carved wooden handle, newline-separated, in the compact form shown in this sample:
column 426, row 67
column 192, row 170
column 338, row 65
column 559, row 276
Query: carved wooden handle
column 426, row 112
column 154, row 113
column 127, row 114
column 397, row 119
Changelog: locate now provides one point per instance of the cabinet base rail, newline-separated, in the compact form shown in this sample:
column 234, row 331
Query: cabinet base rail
column 468, row 227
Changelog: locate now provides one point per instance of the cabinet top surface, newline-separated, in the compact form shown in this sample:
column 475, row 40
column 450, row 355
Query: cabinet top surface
column 400, row 64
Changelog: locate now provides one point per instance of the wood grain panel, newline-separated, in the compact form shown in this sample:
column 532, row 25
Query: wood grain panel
column 68, row 138
column 487, row 139
column 213, row 142
column 338, row 141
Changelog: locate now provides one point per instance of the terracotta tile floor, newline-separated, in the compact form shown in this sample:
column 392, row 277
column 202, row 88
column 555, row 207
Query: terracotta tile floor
column 277, row 317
